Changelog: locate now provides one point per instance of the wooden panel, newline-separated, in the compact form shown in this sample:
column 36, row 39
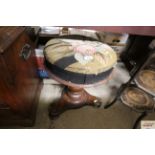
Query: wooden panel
column 139, row 30
column 20, row 86
column 23, row 74
column 8, row 34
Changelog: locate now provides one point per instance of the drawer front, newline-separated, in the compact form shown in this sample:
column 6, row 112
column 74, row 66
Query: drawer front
column 21, row 66
column 5, row 78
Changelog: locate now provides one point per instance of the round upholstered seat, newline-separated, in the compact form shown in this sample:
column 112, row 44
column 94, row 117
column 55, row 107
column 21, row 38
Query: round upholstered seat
column 79, row 61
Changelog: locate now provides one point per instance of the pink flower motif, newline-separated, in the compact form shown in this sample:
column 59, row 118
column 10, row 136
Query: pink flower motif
column 84, row 49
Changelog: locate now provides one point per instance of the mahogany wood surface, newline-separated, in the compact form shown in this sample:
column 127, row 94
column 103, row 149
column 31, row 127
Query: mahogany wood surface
column 72, row 98
column 8, row 35
column 137, row 30
column 19, row 84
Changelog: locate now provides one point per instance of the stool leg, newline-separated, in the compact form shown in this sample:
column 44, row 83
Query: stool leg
column 72, row 98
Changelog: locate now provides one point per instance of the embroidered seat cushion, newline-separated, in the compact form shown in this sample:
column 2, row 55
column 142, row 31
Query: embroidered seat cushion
column 79, row 61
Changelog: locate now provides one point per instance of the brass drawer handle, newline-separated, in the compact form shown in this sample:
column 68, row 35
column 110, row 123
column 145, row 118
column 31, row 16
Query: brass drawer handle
column 25, row 52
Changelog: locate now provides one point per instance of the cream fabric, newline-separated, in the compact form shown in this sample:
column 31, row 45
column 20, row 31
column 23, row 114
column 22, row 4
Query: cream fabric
column 91, row 57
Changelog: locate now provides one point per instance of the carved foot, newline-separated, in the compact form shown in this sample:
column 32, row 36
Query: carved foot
column 72, row 98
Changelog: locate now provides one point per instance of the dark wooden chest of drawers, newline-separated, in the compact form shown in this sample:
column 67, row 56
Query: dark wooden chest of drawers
column 19, row 84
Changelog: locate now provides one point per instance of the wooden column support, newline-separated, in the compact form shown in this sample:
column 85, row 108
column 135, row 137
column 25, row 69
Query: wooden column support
column 72, row 98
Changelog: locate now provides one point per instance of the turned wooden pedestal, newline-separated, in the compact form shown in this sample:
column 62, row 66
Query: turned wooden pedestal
column 71, row 98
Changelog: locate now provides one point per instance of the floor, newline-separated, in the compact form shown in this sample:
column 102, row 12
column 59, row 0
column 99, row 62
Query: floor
column 118, row 116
